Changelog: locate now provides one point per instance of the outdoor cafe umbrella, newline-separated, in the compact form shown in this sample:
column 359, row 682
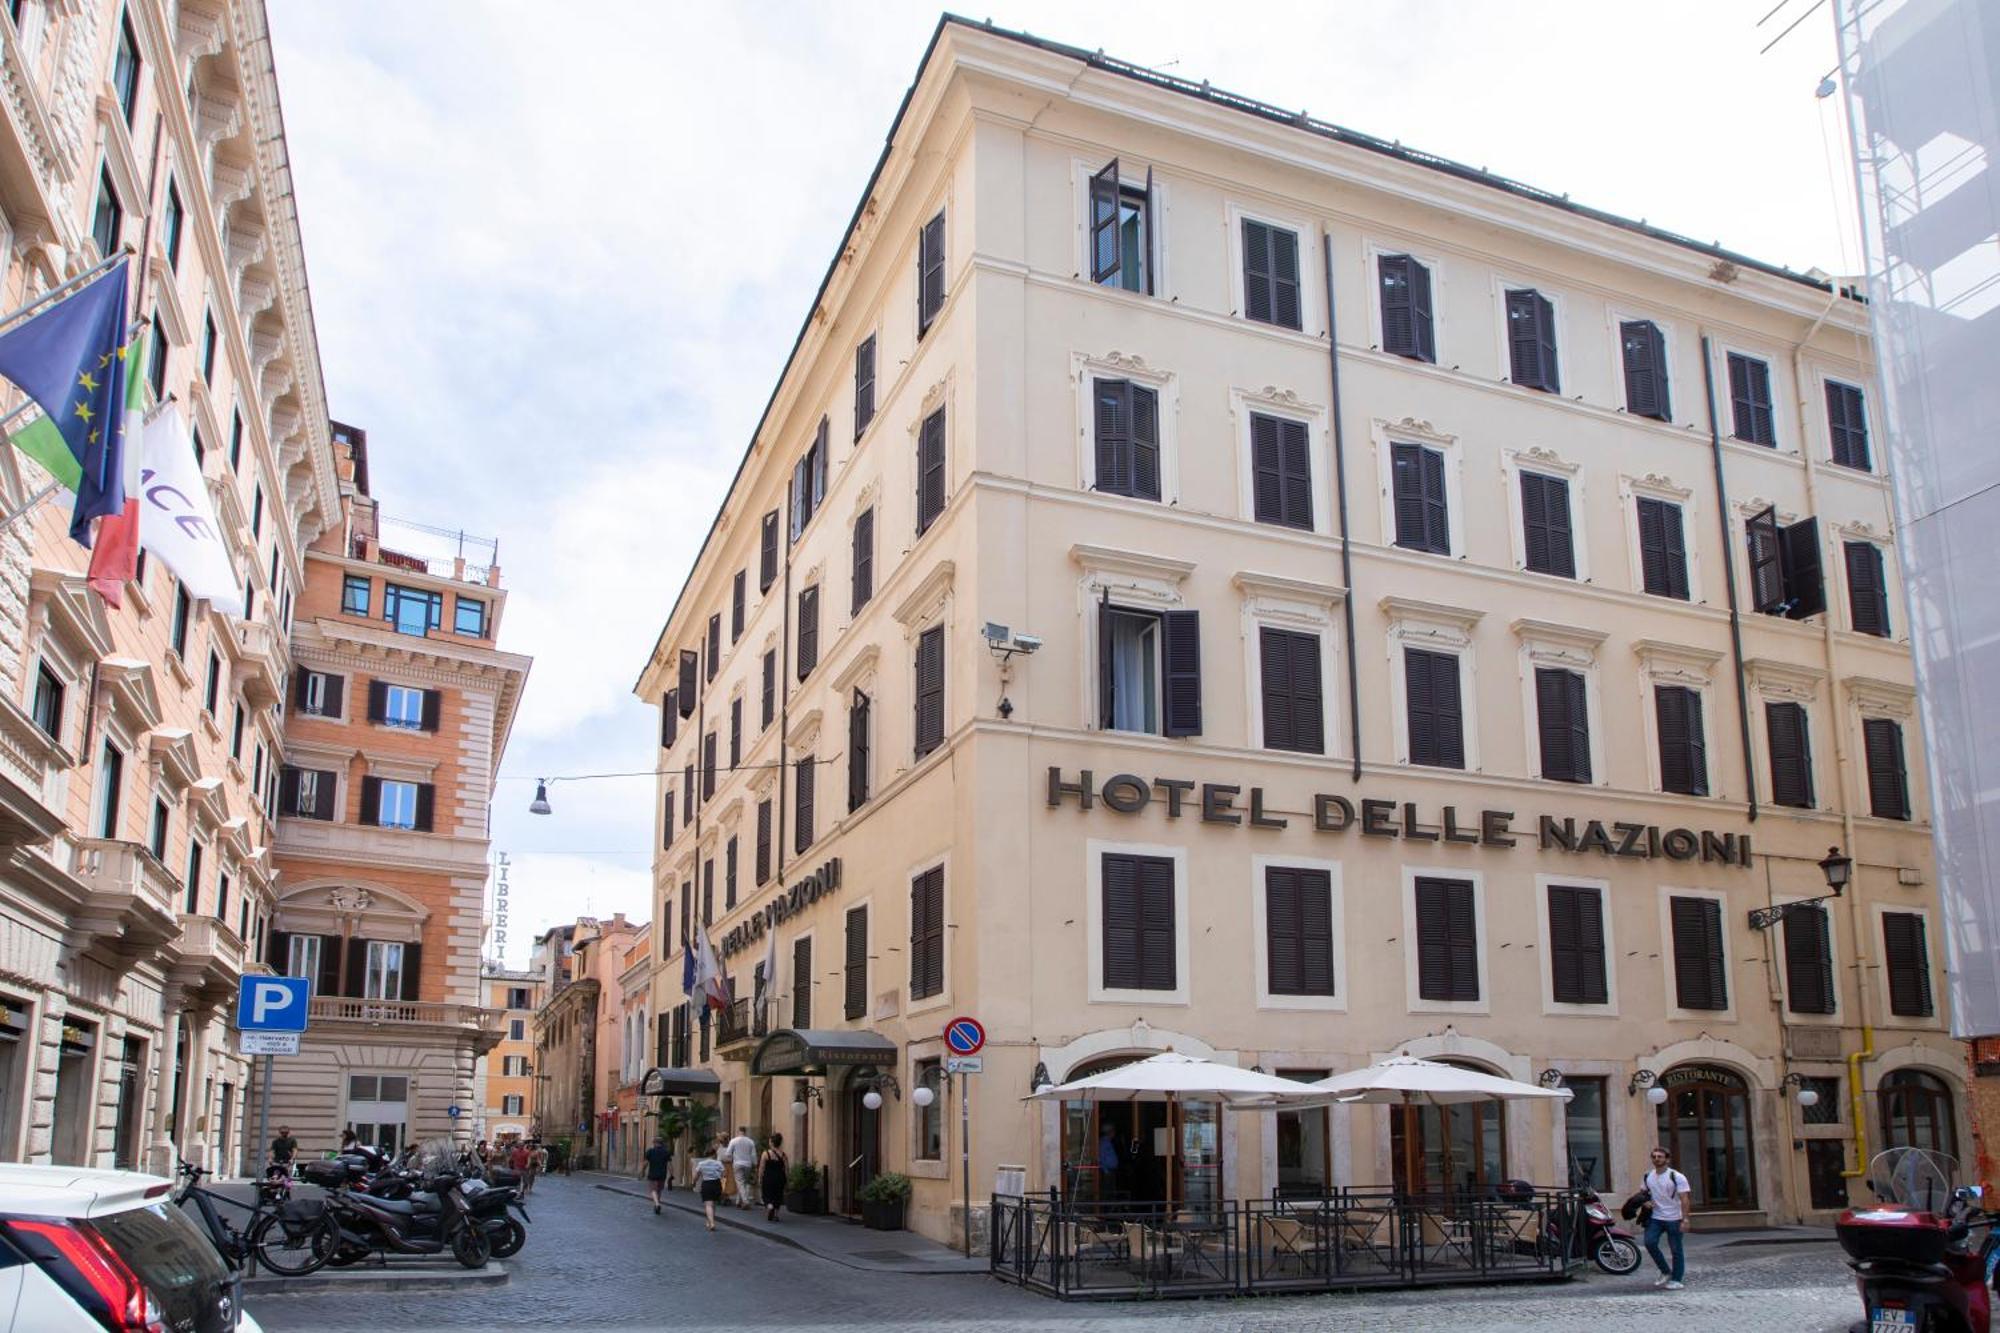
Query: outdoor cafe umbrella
column 1404, row 1080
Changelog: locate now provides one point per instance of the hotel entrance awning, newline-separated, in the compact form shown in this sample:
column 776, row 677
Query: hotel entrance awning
column 810, row 1051
column 667, row 1082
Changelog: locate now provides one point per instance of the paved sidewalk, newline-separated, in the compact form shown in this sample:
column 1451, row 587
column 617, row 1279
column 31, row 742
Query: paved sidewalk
column 846, row 1243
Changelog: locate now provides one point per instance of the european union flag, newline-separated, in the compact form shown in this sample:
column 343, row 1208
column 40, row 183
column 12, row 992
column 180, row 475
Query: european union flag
column 71, row 360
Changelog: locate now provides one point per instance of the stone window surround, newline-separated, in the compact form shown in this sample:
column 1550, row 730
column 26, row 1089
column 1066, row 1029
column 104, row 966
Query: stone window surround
column 1670, row 996
column 1545, row 643
column 1663, row 663
column 1278, row 602
column 1656, row 486
column 1085, row 371
column 1411, row 980
column 1286, row 405
column 1131, row 578
column 1095, row 850
column 1547, row 463
column 1260, row 941
column 1413, row 430
column 1436, row 628
column 1546, row 965
column 1771, row 681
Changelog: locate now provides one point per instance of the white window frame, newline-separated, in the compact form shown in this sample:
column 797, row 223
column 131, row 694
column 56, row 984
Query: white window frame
column 305, row 950
column 1940, row 996
column 1653, row 486
column 1311, row 300
column 1550, row 1005
column 380, row 966
column 1260, row 939
column 1559, row 307
column 1546, row 463
column 1081, row 171
column 308, row 792
column 1670, row 994
column 1688, row 668
column 382, row 804
column 1142, row 582
column 1097, row 992
column 1373, row 252
column 392, row 716
column 1437, row 629
column 1838, row 1017
column 1821, row 431
column 1387, row 434
column 1273, row 602
column 1566, row 648
column 1887, row 701
column 787, row 1011
column 1782, row 441
column 1085, row 371
column 942, row 999
column 874, row 955
column 940, row 397
column 1885, row 546
column 1617, row 315
column 1285, row 406
column 1412, row 998
column 1774, row 682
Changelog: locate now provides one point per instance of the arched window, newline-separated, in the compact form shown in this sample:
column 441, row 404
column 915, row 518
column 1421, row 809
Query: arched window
column 1705, row 1123
column 1916, row 1112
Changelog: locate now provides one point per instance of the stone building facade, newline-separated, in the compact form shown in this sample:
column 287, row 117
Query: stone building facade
column 576, row 1032
column 505, row 1075
column 1209, row 580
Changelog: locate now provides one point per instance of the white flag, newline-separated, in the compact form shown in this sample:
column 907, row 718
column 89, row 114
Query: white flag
column 770, row 991
column 177, row 522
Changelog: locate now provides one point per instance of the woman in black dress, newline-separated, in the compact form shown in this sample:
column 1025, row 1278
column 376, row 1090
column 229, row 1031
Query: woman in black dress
column 772, row 1169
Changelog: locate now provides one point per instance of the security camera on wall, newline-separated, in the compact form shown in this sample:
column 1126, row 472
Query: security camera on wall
column 1026, row 643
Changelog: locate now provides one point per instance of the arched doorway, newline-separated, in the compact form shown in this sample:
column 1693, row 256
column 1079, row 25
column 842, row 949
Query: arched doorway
column 1140, row 1152
column 1916, row 1112
column 1433, row 1149
column 1705, row 1123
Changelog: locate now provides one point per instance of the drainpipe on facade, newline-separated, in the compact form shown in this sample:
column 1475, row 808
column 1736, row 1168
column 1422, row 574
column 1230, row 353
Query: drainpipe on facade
column 1842, row 764
column 1340, row 491
column 1729, row 580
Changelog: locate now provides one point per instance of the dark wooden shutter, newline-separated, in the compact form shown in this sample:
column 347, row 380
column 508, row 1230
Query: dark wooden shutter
column 1180, row 654
column 371, row 800
column 930, row 273
column 1406, row 308
column 763, row 841
column 328, row 981
column 333, row 694
column 1562, row 719
column 767, row 553
column 802, row 791
column 1286, row 309
column 1145, row 443
column 1271, row 274
column 708, row 891
column 802, row 982
column 288, row 791
column 1105, row 252
column 927, row 934
column 1750, row 400
column 357, row 967
column 667, row 819
column 1907, row 956
column 1298, row 924
column 1545, row 525
column 1645, row 354
column 1158, row 965
column 1700, row 969
column 301, row 678
column 855, row 981
column 687, row 794
column 930, row 690
column 1447, row 940
column 323, row 797
column 1808, row 962
column 1281, row 465
column 1531, row 341
column 433, row 709
column 770, row 700
column 1804, row 579
column 1294, row 711
column 738, row 599
column 808, row 630
column 1423, row 521
column 1888, row 782
column 708, row 766
column 714, row 649
column 735, row 734
column 426, row 806
column 857, row 751
column 864, row 560
column 864, row 385
column 1113, row 443
column 1683, row 742
column 1867, row 595
column 413, row 970
column 1662, row 549
column 930, row 471
column 1138, row 923
column 685, row 690
column 1435, row 715
column 1576, row 945
column 378, row 700
column 1256, row 271
column 278, row 952
column 670, row 717
column 1847, row 423
column 1767, row 561
column 1791, row 755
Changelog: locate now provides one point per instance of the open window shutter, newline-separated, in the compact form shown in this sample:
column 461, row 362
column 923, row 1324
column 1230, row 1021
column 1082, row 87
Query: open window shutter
column 864, row 385
column 1637, row 339
column 1158, row 966
column 1420, row 313
column 930, row 690
column 669, row 718
column 930, row 471
column 1433, row 941
column 1437, row 517
column 1908, row 957
column 1286, row 309
column 1295, row 471
column 855, row 982
column 413, row 967
column 323, row 796
column 767, row 553
column 1104, row 247
column 1552, row 723
column 1804, row 579
column 378, row 700
column 1767, row 573
column 1867, row 598
column 333, row 696
column 857, row 752
column 1180, row 650
column 1545, row 334
column 738, row 595
column 1399, row 333
column 685, row 693
column 1524, row 339
column 426, row 806
column 714, row 648
column 357, row 967
column 1121, row 923
column 328, row 981
column 919, row 929
column 808, row 647
column 371, row 800
column 278, row 951
column 1267, row 486
column 1107, row 696
column 1282, row 931
column 1579, row 725
column 864, row 558
column 288, row 790
column 433, row 709
column 1114, row 444
column 932, row 280
column 934, row 931
column 1888, row 782
column 300, row 679
column 1256, row 271
column 1808, row 962
column 1152, row 235
column 802, row 835
column 1145, row 421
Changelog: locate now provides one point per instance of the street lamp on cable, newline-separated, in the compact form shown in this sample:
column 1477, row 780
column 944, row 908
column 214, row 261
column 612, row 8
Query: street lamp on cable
column 1838, row 870
column 540, row 805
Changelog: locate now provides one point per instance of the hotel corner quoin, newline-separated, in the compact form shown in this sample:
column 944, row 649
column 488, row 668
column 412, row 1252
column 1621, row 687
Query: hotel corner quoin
column 1211, row 581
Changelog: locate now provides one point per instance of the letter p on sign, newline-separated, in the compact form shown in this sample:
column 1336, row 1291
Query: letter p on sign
column 272, row 1004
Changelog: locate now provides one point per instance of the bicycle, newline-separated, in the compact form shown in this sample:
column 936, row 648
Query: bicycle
column 289, row 1247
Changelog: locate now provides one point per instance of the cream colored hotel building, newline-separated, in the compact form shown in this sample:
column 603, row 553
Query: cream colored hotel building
column 1441, row 674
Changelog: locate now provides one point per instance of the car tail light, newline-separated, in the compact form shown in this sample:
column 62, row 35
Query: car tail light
column 94, row 1273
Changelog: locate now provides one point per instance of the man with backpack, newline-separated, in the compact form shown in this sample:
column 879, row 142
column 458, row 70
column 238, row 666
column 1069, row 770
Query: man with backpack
column 1669, row 1197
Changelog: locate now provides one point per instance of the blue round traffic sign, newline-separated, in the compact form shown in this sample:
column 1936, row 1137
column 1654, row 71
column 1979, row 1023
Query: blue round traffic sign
column 964, row 1035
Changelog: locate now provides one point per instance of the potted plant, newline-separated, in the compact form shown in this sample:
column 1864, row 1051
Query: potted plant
column 802, row 1189
column 884, row 1201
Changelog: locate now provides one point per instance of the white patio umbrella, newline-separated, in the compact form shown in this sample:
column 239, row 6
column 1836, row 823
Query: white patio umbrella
column 1404, row 1080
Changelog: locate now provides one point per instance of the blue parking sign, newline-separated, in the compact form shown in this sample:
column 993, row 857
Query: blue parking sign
column 272, row 1004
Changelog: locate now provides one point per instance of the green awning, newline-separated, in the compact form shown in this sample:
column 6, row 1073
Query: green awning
column 668, row 1082
column 810, row 1051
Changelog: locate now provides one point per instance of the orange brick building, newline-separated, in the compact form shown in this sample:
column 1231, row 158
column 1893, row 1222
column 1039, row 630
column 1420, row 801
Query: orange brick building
column 400, row 707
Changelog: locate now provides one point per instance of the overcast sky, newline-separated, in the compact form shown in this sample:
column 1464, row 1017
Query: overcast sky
column 558, row 254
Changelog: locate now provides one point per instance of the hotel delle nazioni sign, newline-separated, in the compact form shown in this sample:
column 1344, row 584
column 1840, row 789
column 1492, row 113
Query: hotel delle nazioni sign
column 1222, row 803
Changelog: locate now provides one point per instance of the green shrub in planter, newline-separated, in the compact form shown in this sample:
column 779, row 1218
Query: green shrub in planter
column 802, row 1190
column 802, row 1176
column 883, row 1201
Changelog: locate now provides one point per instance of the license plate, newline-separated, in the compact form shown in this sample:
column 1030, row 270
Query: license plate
column 1888, row 1319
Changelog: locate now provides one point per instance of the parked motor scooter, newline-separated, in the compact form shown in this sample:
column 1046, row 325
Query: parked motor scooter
column 489, row 1205
column 367, row 1225
column 1924, row 1255
column 1598, row 1236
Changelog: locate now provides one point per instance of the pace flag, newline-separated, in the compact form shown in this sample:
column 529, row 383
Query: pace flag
column 70, row 359
column 176, row 521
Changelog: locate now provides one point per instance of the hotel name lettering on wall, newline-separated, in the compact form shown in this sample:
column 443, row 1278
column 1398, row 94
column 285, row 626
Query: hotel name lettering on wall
column 1220, row 803
column 801, row 893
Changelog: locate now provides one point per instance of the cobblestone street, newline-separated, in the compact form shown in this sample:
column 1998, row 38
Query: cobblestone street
column 598, row 1259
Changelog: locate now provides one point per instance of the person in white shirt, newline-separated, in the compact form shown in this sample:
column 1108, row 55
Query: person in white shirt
column 1668, row 1192
column 742, row 1155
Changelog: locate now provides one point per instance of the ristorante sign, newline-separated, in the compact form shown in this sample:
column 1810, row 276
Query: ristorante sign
column 1221, row 803
column 801, row 893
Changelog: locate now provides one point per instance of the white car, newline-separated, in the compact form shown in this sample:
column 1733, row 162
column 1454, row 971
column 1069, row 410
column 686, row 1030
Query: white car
column 89, row 1251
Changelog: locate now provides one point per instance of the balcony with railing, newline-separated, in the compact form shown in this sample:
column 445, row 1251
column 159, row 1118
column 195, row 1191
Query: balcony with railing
column 210, row 955
column 132, row 902
column 403, row 1013
column 261, row 656
column 743, row 1021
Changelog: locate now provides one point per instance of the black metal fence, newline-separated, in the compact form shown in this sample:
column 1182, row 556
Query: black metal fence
column 1357, row 1237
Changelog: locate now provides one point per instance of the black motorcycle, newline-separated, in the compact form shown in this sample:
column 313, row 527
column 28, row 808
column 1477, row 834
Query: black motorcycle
column 365, row 1223
column 491, row 1206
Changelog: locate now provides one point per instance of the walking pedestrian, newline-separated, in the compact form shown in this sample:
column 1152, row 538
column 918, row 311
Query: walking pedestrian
column 657, row 1158
column 772, row 1170
column 538, row 1162
column 517, row 1158
column 742, row 1156
column 708, row 1180
column 283, row 1149
column 1668, row 1191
